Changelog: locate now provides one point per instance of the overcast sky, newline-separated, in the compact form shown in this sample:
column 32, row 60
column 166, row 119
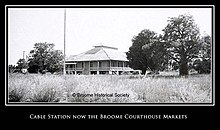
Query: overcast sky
column 87, row 27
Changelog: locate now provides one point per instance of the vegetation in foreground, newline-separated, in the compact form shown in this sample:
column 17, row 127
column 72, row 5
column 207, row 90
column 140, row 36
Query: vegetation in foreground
column 59, row 88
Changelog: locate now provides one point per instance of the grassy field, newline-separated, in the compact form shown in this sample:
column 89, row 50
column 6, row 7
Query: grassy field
column 109, row 89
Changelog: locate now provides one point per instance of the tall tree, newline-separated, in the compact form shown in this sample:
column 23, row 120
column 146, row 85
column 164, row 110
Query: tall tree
column 182, row 37
column 156, row 55
column 143, row 53
column 206, row 47
column 45, row 58
column 203, row 63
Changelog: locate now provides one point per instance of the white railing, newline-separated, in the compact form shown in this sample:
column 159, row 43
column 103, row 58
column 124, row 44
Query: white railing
column 110, row 68
column 101, row 69
column 74, row 69
column 120, row 68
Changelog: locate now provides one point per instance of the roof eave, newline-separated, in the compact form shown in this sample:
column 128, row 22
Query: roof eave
column 95, row 60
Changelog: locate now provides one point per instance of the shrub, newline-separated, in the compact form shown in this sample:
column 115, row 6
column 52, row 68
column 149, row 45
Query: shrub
column 202, row 66
column 47, row 95
column 16, row 95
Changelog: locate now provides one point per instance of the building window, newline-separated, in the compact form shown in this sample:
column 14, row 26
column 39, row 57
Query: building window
column 126, row 64
column 91, row 64
column 120, row 64
column 79, row 65
column 114, row 64
column 100, row 63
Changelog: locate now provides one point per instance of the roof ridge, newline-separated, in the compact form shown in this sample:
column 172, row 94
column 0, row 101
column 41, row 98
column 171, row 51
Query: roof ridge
column 106, row 53
column 105, row 46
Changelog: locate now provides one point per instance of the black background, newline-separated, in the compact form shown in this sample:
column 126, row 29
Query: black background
column 18, row 116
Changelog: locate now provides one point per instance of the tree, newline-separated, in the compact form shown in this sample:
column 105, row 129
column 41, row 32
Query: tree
column 45, row 58
column 55, row 61
column 156, row 55
column 11, row 68
column 22, row 64
column 182, row 36
column 203, row 63
column 206, row 47
column 146, row 51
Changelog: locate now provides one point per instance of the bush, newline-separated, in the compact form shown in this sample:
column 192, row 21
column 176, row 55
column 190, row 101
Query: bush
column 202, row 66
column 45, row 96
column 16, row 95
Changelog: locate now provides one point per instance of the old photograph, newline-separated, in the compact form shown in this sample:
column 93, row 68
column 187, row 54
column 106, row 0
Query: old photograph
column 110, row 55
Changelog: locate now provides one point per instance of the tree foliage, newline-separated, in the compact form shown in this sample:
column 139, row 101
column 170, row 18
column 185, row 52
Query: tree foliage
column 180, row 46
column 203, row 63
column 156, row 55
column 22, row 64
column 45, row 58
column 146, row 51
column 182, row 38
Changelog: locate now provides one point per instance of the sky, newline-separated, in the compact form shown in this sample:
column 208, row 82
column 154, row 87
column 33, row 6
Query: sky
column 88, row 27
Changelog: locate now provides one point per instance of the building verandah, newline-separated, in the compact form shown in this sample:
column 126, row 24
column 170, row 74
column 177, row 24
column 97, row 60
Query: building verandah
column 97, row 67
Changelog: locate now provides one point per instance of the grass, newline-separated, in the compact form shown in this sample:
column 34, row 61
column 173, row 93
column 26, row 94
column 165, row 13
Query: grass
column 58, row 88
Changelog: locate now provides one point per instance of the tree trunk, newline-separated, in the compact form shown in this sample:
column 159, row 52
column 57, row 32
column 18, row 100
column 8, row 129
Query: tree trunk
column 183, row 67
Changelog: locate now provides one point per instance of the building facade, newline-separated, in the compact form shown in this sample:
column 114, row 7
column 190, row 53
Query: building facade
column 99, row 60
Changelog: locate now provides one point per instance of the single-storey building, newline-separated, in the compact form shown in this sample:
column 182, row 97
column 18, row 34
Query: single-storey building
column 99, row 60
